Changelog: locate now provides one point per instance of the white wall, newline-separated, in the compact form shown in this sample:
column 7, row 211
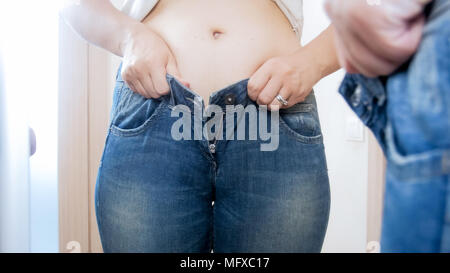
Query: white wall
column 31, row 68
column 347, row 160
column 43, row 118
column 14, row 148
column 14, row 184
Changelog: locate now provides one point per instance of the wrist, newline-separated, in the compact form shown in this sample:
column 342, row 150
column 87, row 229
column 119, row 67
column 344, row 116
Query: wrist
column 307, row 60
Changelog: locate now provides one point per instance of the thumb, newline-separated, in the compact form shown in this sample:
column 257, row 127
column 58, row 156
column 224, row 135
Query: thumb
column 412, row 37
column 172, row 69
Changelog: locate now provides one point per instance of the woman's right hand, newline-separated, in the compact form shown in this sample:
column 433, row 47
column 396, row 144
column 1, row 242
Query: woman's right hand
column 146, row 60
column 374, row 38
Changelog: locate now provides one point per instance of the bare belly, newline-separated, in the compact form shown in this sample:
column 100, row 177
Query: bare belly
column 217, row 43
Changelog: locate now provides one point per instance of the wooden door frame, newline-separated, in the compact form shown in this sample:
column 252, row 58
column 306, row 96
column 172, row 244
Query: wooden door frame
column 83, row 91
column 73, row 190
column 375, row 192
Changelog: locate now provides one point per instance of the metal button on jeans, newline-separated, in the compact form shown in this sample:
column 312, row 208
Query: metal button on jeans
column 212, row 148
column 230, row 99
column 356, row 97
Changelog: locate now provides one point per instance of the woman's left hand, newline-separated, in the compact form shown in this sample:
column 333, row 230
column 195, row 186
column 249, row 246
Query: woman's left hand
column 291, row 76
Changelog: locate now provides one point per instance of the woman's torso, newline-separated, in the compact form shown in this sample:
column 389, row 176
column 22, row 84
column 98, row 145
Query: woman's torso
column 217, row 43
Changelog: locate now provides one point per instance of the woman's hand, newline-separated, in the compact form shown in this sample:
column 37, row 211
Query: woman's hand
column 146, row 60
column 292, row 77
column 374, row 39
column 146, row 57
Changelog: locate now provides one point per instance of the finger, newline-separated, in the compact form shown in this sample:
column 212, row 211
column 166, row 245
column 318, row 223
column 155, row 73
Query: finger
column 368, row 63
column 397, row 48
column 131, row 86
column 130, row 83
column 258, row 81
column 342, row 55
column 158, row 75
column 269, row 92
column 330, row 8
column 172, row 69
column 405, row 10
column 424, row 2
column 359, row 57
column 139, row 88
column 346, row 43
column 129, row 79
column 147, row 83
column 276, row 104
column 351, row 69
column 409, row 42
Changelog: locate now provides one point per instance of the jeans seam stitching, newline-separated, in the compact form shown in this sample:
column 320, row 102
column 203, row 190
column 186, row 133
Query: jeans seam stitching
column 308, row 140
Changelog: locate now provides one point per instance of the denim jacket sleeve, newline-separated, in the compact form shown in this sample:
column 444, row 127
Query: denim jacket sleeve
column 367, row 98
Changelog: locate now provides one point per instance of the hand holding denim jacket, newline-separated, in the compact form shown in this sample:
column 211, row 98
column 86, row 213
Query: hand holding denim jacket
column 409, row 111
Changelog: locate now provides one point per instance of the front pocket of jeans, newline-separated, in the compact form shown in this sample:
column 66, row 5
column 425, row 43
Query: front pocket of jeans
column 134, row 113
column 302, row 122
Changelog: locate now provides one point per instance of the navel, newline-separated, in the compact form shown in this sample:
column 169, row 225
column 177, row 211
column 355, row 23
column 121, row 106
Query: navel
column 216, row 34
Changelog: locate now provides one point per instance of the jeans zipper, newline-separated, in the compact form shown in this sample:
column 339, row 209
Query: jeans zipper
column 212, row 147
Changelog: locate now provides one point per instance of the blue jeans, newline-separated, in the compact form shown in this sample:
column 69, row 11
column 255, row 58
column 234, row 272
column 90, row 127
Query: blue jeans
column 155, row 193
column 409, row 114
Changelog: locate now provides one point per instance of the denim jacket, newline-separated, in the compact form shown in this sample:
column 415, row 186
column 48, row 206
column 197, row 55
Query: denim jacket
column 409, row 111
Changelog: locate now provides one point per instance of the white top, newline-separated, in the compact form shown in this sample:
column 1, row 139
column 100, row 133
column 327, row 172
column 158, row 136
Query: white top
column 293, row 10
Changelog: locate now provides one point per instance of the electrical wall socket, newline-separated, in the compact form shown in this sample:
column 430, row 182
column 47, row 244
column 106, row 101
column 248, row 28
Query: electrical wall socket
column 354, row 129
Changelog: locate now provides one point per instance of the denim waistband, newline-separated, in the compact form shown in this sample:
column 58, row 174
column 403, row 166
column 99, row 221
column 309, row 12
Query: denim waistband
column 235, row 94
column 232, row 95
